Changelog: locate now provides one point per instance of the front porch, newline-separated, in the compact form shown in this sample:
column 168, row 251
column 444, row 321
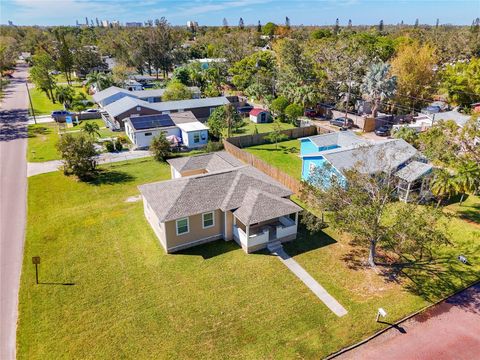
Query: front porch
column 253, row 237
column 413, row 184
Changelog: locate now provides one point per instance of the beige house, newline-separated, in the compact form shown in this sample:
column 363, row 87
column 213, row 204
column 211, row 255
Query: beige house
column 214, row 196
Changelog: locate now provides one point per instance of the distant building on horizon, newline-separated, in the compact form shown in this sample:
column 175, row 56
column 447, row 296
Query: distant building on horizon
column 133, row 24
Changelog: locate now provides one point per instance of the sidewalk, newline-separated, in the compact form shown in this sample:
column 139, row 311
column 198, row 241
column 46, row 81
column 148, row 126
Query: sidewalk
column 41, row 119
column 36, row 168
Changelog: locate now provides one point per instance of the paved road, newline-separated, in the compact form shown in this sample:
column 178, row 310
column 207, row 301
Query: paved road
column 36, row 168
column 13, row 185
column 450, row 330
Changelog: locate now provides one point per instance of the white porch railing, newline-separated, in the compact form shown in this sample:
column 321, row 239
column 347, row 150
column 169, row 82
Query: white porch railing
column 288, row 227
column 253, row 239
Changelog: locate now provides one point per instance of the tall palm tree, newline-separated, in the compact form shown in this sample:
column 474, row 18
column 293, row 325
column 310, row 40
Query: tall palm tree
column 443, row 185
column 99, row 80
column 64, row 95
column 378, row 85
column 91, row 129
column 467, row 179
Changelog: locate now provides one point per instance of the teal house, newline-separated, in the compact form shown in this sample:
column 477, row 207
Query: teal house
column 327, row 156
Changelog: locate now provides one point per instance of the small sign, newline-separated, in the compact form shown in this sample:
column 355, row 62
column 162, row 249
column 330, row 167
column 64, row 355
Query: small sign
column 68, row 120
column 36, row 260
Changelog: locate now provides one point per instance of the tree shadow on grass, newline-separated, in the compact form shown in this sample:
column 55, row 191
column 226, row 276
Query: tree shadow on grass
column 110, row 177
column 210, row 250
column 307, row 241
column 41, row 130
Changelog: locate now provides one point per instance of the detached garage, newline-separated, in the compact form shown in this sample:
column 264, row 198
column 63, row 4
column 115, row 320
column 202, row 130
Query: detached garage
column 260, row 116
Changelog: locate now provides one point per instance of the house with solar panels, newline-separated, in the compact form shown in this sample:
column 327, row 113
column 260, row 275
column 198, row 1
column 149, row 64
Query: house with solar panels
column 181, row 129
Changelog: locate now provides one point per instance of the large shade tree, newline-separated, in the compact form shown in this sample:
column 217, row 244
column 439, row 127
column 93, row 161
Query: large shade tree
column 378, row 85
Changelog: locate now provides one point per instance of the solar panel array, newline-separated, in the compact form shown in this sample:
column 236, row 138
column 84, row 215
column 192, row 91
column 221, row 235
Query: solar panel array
column 151, row 121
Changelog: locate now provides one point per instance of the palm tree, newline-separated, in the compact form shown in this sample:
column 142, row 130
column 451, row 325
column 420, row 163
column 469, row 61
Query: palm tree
column 91, row 129
column 64, row 95
column 99, row 80
column 467, row 178
column 443, row 185
column 378, row 85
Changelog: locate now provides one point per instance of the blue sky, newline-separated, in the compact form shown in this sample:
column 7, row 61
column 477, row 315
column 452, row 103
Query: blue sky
column 211, row 12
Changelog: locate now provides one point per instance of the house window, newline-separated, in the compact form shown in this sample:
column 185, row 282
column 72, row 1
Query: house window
column 311, row 168
column 182, row 226
column 148, row 134
column 212, row 110
column 196, row 137
column 208, row 220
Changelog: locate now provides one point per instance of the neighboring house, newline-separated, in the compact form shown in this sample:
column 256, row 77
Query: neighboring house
column 476, row 107
column 141, row 129
column 425, row 121
column 339, row 151
column 260, row 116
column 205, row 62
column 132, row 85
column 222, row 199
column 114, row 93
column 114, row 113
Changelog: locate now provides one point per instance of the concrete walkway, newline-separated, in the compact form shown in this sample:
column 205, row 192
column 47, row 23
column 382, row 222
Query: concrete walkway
column 312, row 284
column 36, row 168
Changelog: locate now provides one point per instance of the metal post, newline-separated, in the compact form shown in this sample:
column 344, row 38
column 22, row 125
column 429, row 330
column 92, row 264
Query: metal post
column 31, row 105
column 36, row 273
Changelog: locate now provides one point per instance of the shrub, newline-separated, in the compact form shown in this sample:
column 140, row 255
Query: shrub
column 160, row 147
column 118, row 145
column 109, row 146
column 214, row 146
column 78, row 154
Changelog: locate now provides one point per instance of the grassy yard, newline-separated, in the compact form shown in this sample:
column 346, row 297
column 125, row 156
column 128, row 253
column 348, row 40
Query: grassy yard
column 42, row 139
column 131, row 300
column 249, row 128
column 285, row 156
column 43, row 105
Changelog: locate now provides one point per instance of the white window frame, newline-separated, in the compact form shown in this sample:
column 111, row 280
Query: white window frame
column 176, row 226
column 311, row 168
column 213, row 219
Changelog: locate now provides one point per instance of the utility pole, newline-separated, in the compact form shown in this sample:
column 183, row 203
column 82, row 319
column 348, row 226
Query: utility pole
column 348, row 100
column 31, row 105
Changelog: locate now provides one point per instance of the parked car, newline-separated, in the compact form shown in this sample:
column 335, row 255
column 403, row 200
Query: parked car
column 311, row 113
column 383, row 130
column 340, row 121
column 58, row 113
column 245, row 110
column 89, row 111
column 432, row 109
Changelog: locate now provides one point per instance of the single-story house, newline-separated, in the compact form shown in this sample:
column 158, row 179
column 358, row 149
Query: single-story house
column 114, row 93
column 132, row 85
column 258, row 115
column 141, row 129
column 114, row 113
column 339, row 151
column 222, row 200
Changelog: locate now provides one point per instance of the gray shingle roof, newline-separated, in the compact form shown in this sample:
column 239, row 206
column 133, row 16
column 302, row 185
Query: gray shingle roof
column 191, row 103
column 225, row 190
column 340, row 138
column 413, row 171
column 125, row 104
column 112, row 90
column 211, row 162
column 261, row 206
column 373, row 158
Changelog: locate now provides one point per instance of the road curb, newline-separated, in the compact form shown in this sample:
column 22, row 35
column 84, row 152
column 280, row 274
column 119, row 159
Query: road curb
column 408, row 317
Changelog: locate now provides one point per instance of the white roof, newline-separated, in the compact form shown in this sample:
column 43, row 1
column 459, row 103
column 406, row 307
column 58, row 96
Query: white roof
column 192, row 126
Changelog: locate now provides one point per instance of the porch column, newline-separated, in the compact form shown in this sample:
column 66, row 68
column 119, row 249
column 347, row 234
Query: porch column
column 296, row 218
column 408, row 192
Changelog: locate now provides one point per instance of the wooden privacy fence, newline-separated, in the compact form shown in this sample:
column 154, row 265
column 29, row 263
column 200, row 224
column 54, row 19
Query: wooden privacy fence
column 259, row 139
column 284, row 179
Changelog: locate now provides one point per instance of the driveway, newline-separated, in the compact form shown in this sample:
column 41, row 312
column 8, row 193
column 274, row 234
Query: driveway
column 13, row 185
column 449, row 330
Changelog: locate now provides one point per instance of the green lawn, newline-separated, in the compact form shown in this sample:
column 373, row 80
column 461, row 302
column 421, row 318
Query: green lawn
column 131, row 300
column 43, row 105
column 285, row 156
column 42, row 139
column 261, row 128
